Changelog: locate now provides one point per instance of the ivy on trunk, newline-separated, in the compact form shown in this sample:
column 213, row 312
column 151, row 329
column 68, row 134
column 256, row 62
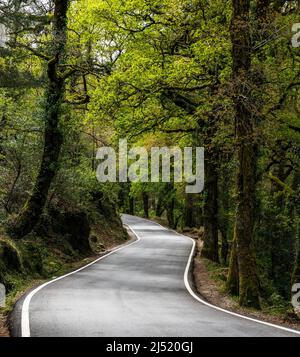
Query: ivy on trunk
column 53, row 138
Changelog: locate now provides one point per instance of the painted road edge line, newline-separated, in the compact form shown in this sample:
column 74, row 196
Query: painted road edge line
column 25, row 322
column 195, row 296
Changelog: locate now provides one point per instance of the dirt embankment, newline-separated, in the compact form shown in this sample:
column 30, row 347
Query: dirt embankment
column 3, row 328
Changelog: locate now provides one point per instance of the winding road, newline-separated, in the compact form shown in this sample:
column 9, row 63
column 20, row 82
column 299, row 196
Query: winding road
column 140, row 289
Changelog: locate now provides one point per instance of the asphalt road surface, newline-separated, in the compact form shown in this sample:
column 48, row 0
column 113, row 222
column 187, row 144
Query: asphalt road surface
column 138, row 290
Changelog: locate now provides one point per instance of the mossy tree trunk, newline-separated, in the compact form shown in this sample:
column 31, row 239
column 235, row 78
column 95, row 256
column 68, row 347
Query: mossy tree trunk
column 224, row 246
column 282, row 235
column 296, row 186
column 53, row 138
column 232, row 283
column 210, row 208
column 210, row 212
column 296, row 272
column 224, row 210
column 246, row 155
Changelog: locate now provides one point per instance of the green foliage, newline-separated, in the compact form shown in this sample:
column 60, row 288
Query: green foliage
column 158, row 73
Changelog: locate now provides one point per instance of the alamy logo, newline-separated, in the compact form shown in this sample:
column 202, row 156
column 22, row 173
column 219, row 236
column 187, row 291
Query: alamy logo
column 2, row 295
column 296, row 296
column 162, row 164
column 296, row 36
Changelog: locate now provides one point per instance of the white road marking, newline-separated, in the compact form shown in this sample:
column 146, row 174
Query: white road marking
column 190, row 290
column 25, row 322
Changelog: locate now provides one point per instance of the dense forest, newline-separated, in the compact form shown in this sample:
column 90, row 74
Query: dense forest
column 224, row 75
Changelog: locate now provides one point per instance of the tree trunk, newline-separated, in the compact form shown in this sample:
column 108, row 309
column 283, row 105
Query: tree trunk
column 295, row 186
column 170, row 213
column 246, row 170
column 170, row 204
column 224, row 246
column 232, row 283
column 199, row 221
column 189, row 211
column 210, row 212
column 224, row 211
column 131, row 206
column 53, row 138
column 159, row 209
column 282, row 237
column 296, row 272
column 146, row 204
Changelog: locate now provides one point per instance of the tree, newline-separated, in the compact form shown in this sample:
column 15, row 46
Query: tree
column 246, row 153
column 53, row 138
